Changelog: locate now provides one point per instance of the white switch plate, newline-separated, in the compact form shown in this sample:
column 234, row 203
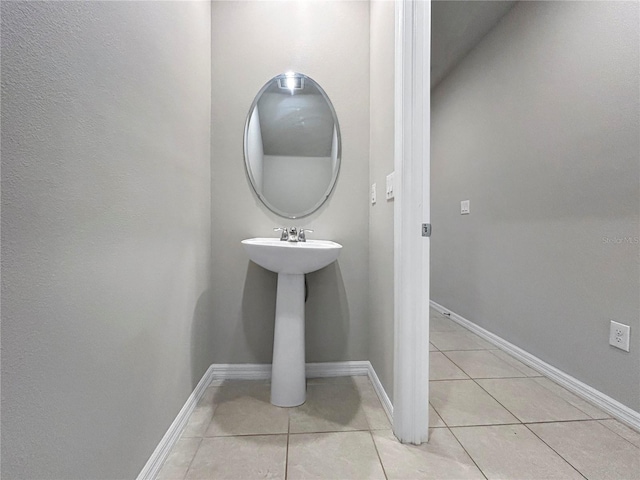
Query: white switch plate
column 389, row 190
column 619, row 335
column 373, row 194
column 464, row 207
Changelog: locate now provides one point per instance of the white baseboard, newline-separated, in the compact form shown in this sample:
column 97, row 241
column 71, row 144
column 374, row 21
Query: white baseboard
column 159, row 455
column 241, row 371
column 337, row 369
column 262, row 371
column 380, row 391
column 614, row 408
column 252, row 371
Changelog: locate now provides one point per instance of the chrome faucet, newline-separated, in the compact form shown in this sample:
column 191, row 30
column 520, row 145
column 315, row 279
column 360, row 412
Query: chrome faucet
column 284, row 237
column 292, row 234
column 301, row 234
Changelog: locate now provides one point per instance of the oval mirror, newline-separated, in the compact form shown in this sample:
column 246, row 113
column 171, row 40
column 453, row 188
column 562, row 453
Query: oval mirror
column 292, row 145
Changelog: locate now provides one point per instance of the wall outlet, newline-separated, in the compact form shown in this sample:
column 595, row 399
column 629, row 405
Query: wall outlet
column 389, row 190
column 619, row 335
column 373, row 194
column 464, row 207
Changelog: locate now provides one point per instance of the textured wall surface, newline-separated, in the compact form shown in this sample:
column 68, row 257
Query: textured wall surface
column 382, row 51
column 538, row 128
column 105, row 231
column 251, row 43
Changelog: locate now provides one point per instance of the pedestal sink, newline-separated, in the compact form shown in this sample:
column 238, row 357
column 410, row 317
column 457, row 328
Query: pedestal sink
column 290, row 260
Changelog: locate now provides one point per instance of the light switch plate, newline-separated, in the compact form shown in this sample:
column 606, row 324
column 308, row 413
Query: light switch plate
column 389, row 190
column 373, row 194
column 464, row 207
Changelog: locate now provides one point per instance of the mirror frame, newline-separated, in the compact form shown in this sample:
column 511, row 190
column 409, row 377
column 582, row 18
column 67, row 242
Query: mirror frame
column 334, row 176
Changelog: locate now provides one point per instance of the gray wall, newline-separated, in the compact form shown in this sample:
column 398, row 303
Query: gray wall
column 105, row 231
column 251, row 43
column 381, row 145
column 538, row 128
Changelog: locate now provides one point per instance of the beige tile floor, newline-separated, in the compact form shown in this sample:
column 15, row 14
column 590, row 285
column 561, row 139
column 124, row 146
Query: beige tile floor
column 490, row 417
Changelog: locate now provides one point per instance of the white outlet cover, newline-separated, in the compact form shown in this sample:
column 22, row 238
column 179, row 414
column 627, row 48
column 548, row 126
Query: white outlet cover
column 373, row 194
column 619, row 335
column 464, row 207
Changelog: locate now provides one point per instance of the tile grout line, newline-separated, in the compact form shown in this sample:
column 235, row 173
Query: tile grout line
column 554, row 394
column 488, row 393
column 538, row 374
column 244, row 435
column 483, row 378
column 454, row 363
column 384, row 471
column 465, row 451
column 469, row 350
column 499, row 403
column 484, row 425
column 574, row 406
column 590, row 395
column 490, row 350
column 483, row 389
column 522, row 423
column 192, row 458
column 584, row 420
column 600, row 420
column 554, row 450
column 524, row 376
column 331, row 431
column 371, row 432
column 509, row 411
column 202, row 437
column 439, row 416
column 543, row 422
column 450, row 428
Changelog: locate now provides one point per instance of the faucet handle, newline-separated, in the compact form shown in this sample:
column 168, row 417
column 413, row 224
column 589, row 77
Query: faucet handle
column 302, row 237
column 285, row 233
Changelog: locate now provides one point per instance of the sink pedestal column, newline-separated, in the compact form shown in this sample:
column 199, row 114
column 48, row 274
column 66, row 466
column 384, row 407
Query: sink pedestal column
column 288, row 380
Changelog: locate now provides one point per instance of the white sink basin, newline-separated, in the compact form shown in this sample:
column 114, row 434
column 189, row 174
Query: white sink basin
column 292, row 257
column 290, row 260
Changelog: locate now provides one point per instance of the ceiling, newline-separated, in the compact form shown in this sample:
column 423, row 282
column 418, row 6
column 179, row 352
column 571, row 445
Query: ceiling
column 456, row 27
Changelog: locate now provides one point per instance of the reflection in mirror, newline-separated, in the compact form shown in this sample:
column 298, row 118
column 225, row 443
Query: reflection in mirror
column 292, row 145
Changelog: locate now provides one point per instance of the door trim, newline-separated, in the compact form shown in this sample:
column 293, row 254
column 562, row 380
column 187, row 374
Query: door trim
column 411, row 210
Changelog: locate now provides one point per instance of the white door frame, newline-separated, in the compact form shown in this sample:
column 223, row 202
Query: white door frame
column 411, row 210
